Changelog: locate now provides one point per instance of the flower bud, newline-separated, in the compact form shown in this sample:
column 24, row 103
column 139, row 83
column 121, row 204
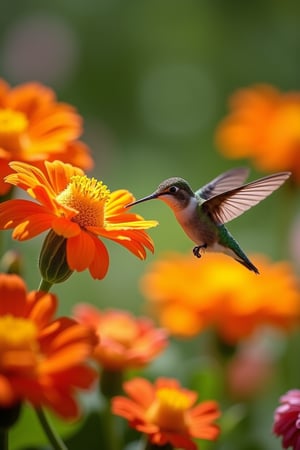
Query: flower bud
column 53, row 259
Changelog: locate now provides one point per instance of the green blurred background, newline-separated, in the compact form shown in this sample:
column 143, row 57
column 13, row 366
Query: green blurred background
column 152, row 80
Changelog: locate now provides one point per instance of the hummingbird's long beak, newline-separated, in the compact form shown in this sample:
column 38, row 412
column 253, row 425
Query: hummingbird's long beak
column 145, row 199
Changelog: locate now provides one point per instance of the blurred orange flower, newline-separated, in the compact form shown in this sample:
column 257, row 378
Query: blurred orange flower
column 165, row 412
column 78, row 208
column 34, row 127
column 263, row 124
column 125, row 341
column 42, row 359
column 189, row 295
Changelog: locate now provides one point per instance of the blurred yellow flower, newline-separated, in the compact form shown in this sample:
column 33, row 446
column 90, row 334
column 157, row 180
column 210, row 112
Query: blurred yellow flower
column 263, row 124
column 34, row 127
column 189, row 295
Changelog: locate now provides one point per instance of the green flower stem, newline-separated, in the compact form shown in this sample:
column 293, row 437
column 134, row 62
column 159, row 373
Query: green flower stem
column 3, row 439
column 44, row 286
column 111, row 383
column 112, row 438
column 53, row 438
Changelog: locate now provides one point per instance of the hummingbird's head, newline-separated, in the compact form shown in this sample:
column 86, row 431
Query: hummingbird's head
column 175, row 192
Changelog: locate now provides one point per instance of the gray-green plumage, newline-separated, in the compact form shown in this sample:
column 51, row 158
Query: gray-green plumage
column 202, row 214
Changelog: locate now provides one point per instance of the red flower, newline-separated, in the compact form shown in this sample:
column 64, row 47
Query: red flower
column 165, row 412
column 42, row 359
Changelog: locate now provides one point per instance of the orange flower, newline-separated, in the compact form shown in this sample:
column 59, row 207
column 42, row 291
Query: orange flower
column 166, row 413
column 125, row 341
column 34, row 127
column 263, row 124
column 42, row 359
column 78, row 208
column 189, row 295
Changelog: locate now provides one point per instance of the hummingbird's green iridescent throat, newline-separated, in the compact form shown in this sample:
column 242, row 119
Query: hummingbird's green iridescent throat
column 202, row 214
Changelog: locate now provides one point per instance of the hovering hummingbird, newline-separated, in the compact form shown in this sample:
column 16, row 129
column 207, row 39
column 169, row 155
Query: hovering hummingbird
column 202, row 214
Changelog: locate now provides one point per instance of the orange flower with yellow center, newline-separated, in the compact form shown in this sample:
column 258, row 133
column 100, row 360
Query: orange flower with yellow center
column 166, row 412
column 125, row 342
column 77, row 208
column 189, row 296
column 42, row 359
column 263, row 124
column 34, row 127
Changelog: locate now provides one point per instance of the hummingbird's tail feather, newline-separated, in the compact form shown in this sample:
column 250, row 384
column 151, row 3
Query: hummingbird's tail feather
column 232, row 248
column 247, row 263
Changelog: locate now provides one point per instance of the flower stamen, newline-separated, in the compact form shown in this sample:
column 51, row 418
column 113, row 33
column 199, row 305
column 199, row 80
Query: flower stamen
column 88, row 197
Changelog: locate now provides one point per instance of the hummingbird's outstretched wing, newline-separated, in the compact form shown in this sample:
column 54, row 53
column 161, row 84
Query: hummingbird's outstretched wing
column 231, row 204
column 225, row 182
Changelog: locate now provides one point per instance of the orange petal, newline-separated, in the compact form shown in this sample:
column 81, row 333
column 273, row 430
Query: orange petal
column 87, row 314
column 140, row 390
column 117, row 202
column 60, row 173
column 27, row 176
column 127, row 408
column 79, row 376
column 62, row 402
column 76, row 153
column 65, row 358
column 99, row 266
column 34, row 225
column 133, row 240
column 80, row 251
column 178, row 440
column 13, row 295
column 13, row 212
column 43, row 306
column 68, row 332
column 65, row 227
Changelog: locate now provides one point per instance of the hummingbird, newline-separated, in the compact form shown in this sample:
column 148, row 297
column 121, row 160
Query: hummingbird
column 203, row 213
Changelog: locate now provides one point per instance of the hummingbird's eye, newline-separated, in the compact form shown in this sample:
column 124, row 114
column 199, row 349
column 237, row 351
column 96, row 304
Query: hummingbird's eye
column 173, row 189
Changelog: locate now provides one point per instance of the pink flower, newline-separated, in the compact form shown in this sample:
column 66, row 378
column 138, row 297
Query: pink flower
column 287, row 419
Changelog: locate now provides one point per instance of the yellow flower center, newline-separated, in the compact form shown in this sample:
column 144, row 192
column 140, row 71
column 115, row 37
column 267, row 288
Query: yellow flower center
column 88, row 197
column 17, row 333
column 13, row 126
column 169, row 408
column 12, row 122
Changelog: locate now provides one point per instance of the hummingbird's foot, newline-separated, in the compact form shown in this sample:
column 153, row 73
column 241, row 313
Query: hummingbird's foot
column 197, row 250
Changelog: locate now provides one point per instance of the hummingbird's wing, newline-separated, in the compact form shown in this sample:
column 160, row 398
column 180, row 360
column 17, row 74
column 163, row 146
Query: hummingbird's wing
column 227, row 206
column 225, row 182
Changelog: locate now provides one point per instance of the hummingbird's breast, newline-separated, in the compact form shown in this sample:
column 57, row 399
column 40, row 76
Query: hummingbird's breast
column 197, row 225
